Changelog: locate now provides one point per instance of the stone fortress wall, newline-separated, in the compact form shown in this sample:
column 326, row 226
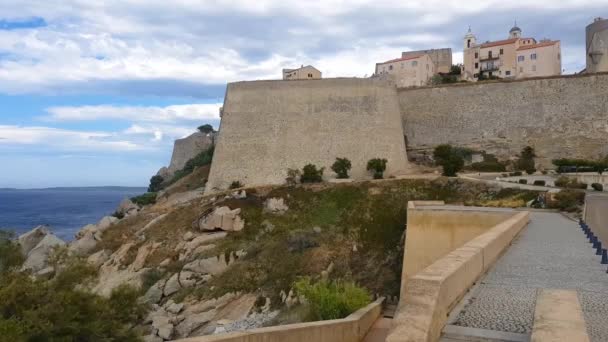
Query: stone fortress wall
column 270, row 126
column 560, row 117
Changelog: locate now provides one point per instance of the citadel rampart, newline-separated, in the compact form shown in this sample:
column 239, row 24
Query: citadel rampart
column 559, row 117
column 268, row 127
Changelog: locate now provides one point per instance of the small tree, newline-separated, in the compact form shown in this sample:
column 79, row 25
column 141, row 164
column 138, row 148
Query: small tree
column 155, row 183
column 206, row 128
column 526, row 160
column 310, row 174
column 341, row 167
column 236, row 185
column 449, row 159
column 377, row 166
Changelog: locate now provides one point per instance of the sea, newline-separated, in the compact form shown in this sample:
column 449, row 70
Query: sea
column 65, row 210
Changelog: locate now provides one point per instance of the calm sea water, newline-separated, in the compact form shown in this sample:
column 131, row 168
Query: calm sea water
column 66, row 210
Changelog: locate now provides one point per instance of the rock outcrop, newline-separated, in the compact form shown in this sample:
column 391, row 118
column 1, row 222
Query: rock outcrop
column 221, row 218
column 37, row 257
column 275, row 205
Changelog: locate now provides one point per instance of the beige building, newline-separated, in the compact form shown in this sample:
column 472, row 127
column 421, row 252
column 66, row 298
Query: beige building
column 597, row 46
column 442, row 58
column 514, row 57
column 413, row 70
column 303, row 73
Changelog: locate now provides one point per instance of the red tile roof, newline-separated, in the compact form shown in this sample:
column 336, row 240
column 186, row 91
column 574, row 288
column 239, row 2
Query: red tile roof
column 534, row 46
column 403, row 58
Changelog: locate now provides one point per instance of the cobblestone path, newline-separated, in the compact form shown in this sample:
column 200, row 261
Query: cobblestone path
column 552, row 252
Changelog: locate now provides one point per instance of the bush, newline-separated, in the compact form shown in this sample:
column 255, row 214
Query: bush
column 488, row 166
column 236, row 185
column 10, row 253
column 539, row 182
column 332, row 300
column 449, row 158
column 155, row 184
column 580, row 165
column 145, row 199
column 293, row 175
column 341, row 167
column 569, row 200
column 118, row 214
column 207, row 128
column 597, row 187
column 377, row 166
column 516, row 174
column 526, row 160
column 202, row 159
column 569, row 183
column 310, row 174
column 523, row 181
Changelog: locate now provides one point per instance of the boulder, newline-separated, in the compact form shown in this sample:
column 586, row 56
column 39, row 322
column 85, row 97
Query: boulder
column 194, row 321
column 98, row 258
column 31, row 239
column 86, row 230
column 222, row 218
column 154, row 293
column 275, row 205
column 127, row 207
column 188, row 236
column 239, row 194
column 106, row 222
column 162, row 324
column 84, row 245
column 37, row 258
column 172, row 285
column 173, row 307
column 213, row 266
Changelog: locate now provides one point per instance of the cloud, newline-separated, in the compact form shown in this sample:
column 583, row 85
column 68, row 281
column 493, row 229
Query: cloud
column 65, row 140
column 175, row 113
column 195, row 45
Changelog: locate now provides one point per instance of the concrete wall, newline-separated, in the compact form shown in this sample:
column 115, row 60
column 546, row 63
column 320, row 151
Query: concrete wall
column 432, row 293
column 559, row 117
column 270, row 126
column 350, row 329
column 596, row 216
column 433, row 233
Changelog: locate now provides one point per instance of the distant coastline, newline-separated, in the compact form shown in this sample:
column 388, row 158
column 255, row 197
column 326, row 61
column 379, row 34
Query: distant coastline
column 81, row 188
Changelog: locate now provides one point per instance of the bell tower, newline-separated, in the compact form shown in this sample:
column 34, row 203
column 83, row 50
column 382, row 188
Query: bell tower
column 469, row 39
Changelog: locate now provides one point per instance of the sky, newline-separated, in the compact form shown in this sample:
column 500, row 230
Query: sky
column 95, row 92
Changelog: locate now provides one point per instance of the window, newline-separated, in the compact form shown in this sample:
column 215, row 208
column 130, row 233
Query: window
column 502, row 51
column 533, row 56
column 414, row 63
column 521, row 58
column 476, row 55
column 390, row 67
column 508, row 73
column 489, row 54
column 310, row 75
column 476, row 65
column 468, row 43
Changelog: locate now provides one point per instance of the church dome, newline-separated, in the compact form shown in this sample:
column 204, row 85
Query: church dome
column 515, row 29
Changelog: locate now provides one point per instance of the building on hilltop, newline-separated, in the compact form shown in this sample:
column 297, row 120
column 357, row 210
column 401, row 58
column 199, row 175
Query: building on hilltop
column 515, row 57
column 442, row 58
column 412, row 70
column 303, row 73
column 597, row 46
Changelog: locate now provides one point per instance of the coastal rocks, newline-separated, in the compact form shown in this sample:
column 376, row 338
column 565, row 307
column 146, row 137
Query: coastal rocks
column 98, row 258
column 151, row 224
column 213, row 266
column 96, row 230
column 29, row 240
column 275, row 205
column 37, row 258
column 84, row 245
column 172, row 285
column 115, row 272
column 239, row 194
column 127, row 208
column 154, row 293
column 221, row 218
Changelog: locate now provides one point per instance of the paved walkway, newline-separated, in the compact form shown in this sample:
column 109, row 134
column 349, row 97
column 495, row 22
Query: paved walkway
column 551, row 252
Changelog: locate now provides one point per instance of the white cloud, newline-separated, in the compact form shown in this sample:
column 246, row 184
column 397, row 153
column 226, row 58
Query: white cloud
column 169, row 114
column 65, row 140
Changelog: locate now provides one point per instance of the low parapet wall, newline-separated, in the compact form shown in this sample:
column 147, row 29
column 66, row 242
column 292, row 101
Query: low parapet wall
column 350, row 329
column 432, row 293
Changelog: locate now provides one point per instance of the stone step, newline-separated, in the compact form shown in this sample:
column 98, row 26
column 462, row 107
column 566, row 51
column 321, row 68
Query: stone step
column 454, row 333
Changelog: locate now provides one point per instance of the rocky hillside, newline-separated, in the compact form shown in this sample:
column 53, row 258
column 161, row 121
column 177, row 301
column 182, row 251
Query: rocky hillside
column 205, row 265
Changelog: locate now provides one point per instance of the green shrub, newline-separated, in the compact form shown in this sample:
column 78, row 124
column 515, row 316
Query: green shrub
column 293, row 175
column 449, row 158
column 202, row 159
column 569, row 183
column 377, row 166
column 206, row 128
column 526, row 160
column 119, row 215
column 597, row 187
column 10, row 253
column 145, row 199
column 516, row 174
column 332, row 300
column 579, row 165
column 523, row 181
column 310, row 174
column 488, row 166
column 156, row 184
column 569, row 200
column 539, row 182
column 236, row 185
column 341, row 167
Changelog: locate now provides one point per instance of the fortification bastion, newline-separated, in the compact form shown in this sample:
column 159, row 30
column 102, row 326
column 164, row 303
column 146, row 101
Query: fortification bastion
column 268, row 127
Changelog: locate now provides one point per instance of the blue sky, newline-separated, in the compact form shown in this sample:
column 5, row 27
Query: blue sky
column 95, row 92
